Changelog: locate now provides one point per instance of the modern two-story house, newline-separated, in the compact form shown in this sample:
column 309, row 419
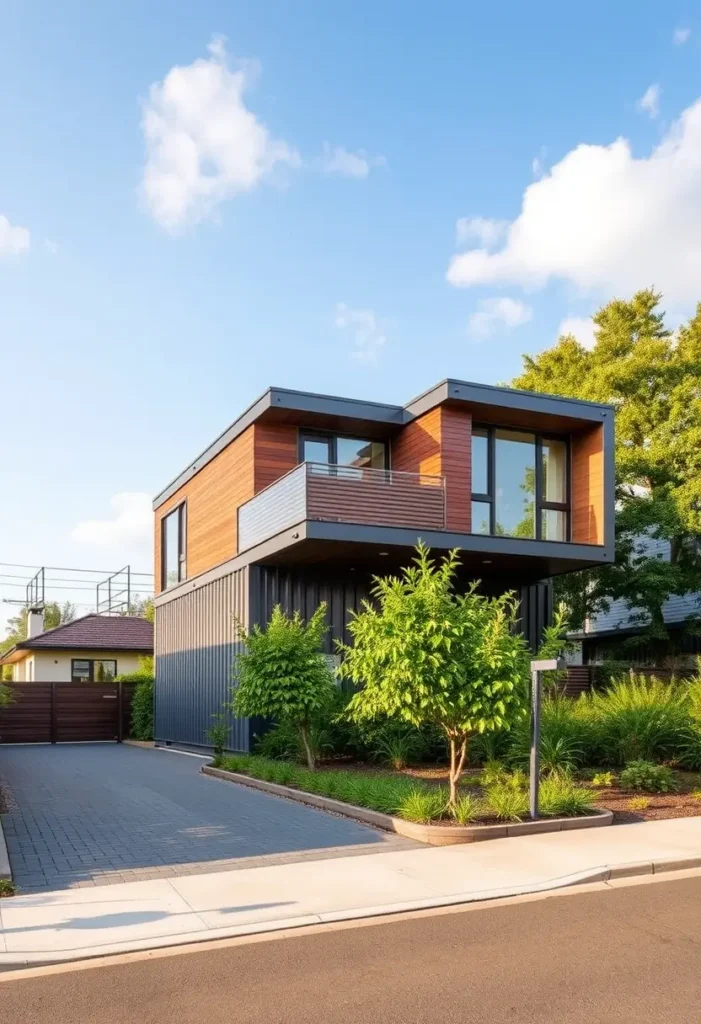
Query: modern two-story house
column 305, row 497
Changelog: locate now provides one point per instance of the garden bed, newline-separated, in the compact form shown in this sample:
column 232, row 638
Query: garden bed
column 416, row 808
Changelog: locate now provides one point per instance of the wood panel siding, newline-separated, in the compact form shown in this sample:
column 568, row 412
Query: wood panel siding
column 440, row 443
column 588, row 486
column 456, row 467
column 417, row 448
column 393, row 499
column 255, row 459
column 213, row 496
column 275, row 452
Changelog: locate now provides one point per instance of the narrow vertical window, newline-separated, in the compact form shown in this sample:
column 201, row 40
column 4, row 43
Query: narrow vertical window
column 173, row 547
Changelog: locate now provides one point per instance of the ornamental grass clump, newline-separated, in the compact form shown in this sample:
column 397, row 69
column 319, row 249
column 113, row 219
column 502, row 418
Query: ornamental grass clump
column 640, row 718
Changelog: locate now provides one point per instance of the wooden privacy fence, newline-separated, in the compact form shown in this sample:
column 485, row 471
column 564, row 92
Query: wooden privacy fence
column 66, row 712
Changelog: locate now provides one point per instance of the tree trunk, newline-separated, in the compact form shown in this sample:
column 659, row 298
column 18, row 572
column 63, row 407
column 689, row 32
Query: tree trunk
column 311, row 763
column 458, row 752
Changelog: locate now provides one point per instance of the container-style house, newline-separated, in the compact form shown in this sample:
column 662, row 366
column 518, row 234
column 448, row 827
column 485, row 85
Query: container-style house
column 305, row 497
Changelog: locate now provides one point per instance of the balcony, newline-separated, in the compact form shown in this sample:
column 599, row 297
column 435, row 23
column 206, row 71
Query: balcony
column 342, row 494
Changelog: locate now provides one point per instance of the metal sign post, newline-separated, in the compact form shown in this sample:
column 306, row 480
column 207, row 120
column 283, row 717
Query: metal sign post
column 537, row 668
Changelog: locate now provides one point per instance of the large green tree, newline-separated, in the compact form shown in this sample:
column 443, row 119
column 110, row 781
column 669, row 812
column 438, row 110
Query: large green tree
column 653, row 378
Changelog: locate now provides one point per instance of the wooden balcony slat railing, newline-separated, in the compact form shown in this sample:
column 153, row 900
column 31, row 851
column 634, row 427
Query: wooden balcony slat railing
column 343, row 494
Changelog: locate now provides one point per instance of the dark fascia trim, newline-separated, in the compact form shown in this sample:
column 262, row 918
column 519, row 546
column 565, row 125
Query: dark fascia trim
column 29, row 645
column 283, row 398
column 507, row 398
column 479, row 543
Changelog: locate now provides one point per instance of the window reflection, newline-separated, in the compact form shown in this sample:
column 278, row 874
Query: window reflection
column 514, row 489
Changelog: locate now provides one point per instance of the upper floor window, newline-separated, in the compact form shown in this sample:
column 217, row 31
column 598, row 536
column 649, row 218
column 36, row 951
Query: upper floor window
column 173, row 547
column 335, row 450
column 520, row 484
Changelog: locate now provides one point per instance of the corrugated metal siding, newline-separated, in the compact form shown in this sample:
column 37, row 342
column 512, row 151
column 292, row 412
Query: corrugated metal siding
column 620, row 616
column 194, row 651
column 536, row 611
column 303, row 590
column 281, row 505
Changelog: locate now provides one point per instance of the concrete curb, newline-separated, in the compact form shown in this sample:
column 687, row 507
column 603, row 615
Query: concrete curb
column 433, row 835
column 10, row 962
column 4, row 856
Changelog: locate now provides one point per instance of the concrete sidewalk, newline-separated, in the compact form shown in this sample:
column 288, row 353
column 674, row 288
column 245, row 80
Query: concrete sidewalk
column 79, row 923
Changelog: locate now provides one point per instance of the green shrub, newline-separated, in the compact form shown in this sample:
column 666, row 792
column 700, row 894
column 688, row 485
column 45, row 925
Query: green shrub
column 7, row 888
column 640, row 718
column 639, row 803
column 423, row 805
column 489, row 746
column 559, row 797
column 218, row 736
column 648, row 777
column 141, row 708
column 281, row 742
column 690, row 749
column 492, row 773
column 506, row 802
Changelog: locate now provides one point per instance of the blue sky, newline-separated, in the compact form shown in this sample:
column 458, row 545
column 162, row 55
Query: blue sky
column 285, row 212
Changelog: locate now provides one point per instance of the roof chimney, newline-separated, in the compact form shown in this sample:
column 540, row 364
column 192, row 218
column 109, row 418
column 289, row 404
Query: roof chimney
column 35, row 622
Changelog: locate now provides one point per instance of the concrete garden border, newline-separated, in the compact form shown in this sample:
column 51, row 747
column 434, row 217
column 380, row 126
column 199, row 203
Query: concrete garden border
column 434, row 835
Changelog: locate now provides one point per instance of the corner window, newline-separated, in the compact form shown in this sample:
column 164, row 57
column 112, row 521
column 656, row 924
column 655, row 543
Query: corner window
column 173, row 547
column 520, row 484
column 88, row 670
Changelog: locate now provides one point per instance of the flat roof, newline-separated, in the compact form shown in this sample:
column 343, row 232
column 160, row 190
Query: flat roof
column 481, row 396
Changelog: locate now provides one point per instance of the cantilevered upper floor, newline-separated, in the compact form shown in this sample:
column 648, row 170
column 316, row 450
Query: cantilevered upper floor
column 520, row 482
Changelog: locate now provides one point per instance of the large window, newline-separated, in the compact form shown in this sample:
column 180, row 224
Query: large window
column 335, row 450
column 173, row 547
column 93, row 670
column 520, row 484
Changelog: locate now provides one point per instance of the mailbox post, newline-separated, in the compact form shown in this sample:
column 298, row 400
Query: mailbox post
column 537, row 668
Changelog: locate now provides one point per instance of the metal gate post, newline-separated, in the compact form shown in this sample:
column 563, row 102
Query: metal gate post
column 120, row 726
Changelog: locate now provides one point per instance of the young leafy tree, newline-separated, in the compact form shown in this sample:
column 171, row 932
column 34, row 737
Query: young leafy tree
column 654, row 381
column 424, row 654
column 282, row 673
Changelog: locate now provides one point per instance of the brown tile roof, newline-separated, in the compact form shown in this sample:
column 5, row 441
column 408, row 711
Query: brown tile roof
column 103, row 632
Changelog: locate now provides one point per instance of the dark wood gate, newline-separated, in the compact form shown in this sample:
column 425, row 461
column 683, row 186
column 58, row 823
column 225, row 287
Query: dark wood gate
column 66, row 712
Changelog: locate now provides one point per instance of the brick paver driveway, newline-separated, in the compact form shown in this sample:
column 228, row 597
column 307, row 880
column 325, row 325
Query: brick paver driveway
column 94, row 814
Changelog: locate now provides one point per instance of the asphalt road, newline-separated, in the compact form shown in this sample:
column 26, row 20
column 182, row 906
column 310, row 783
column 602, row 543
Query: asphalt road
column 619, row 955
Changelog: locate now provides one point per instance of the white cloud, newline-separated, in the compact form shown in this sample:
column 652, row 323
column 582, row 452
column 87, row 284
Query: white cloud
column 369, row 338
column 582, row 327
column 649, row 102
column 131, row 522
column 203, row 145
column 337, row 160
column 497, row 314
column 681, row 35
column 13, row 239
column 484, row 230
column 606, row 221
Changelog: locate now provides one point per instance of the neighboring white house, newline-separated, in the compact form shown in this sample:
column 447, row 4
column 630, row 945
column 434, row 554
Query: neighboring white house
column 94, row 648
column 606, row 629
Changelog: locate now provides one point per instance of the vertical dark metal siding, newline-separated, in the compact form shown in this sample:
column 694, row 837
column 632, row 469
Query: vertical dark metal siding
column 536, row 611
column 303, row 590
column 194, row 650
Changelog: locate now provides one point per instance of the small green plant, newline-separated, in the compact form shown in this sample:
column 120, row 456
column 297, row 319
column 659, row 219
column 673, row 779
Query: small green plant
column 7, row 888
column 639, row 803
column 696, row 794
column 397, row 747
column 559, row 797
column 603, row 780
column 517, row 779
column 423, row 805
column 506, row 802
column 690, row 748
column 471, row 781
column 492, row 773
column 648, row 777
column 467, row 809
column 218, row 736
